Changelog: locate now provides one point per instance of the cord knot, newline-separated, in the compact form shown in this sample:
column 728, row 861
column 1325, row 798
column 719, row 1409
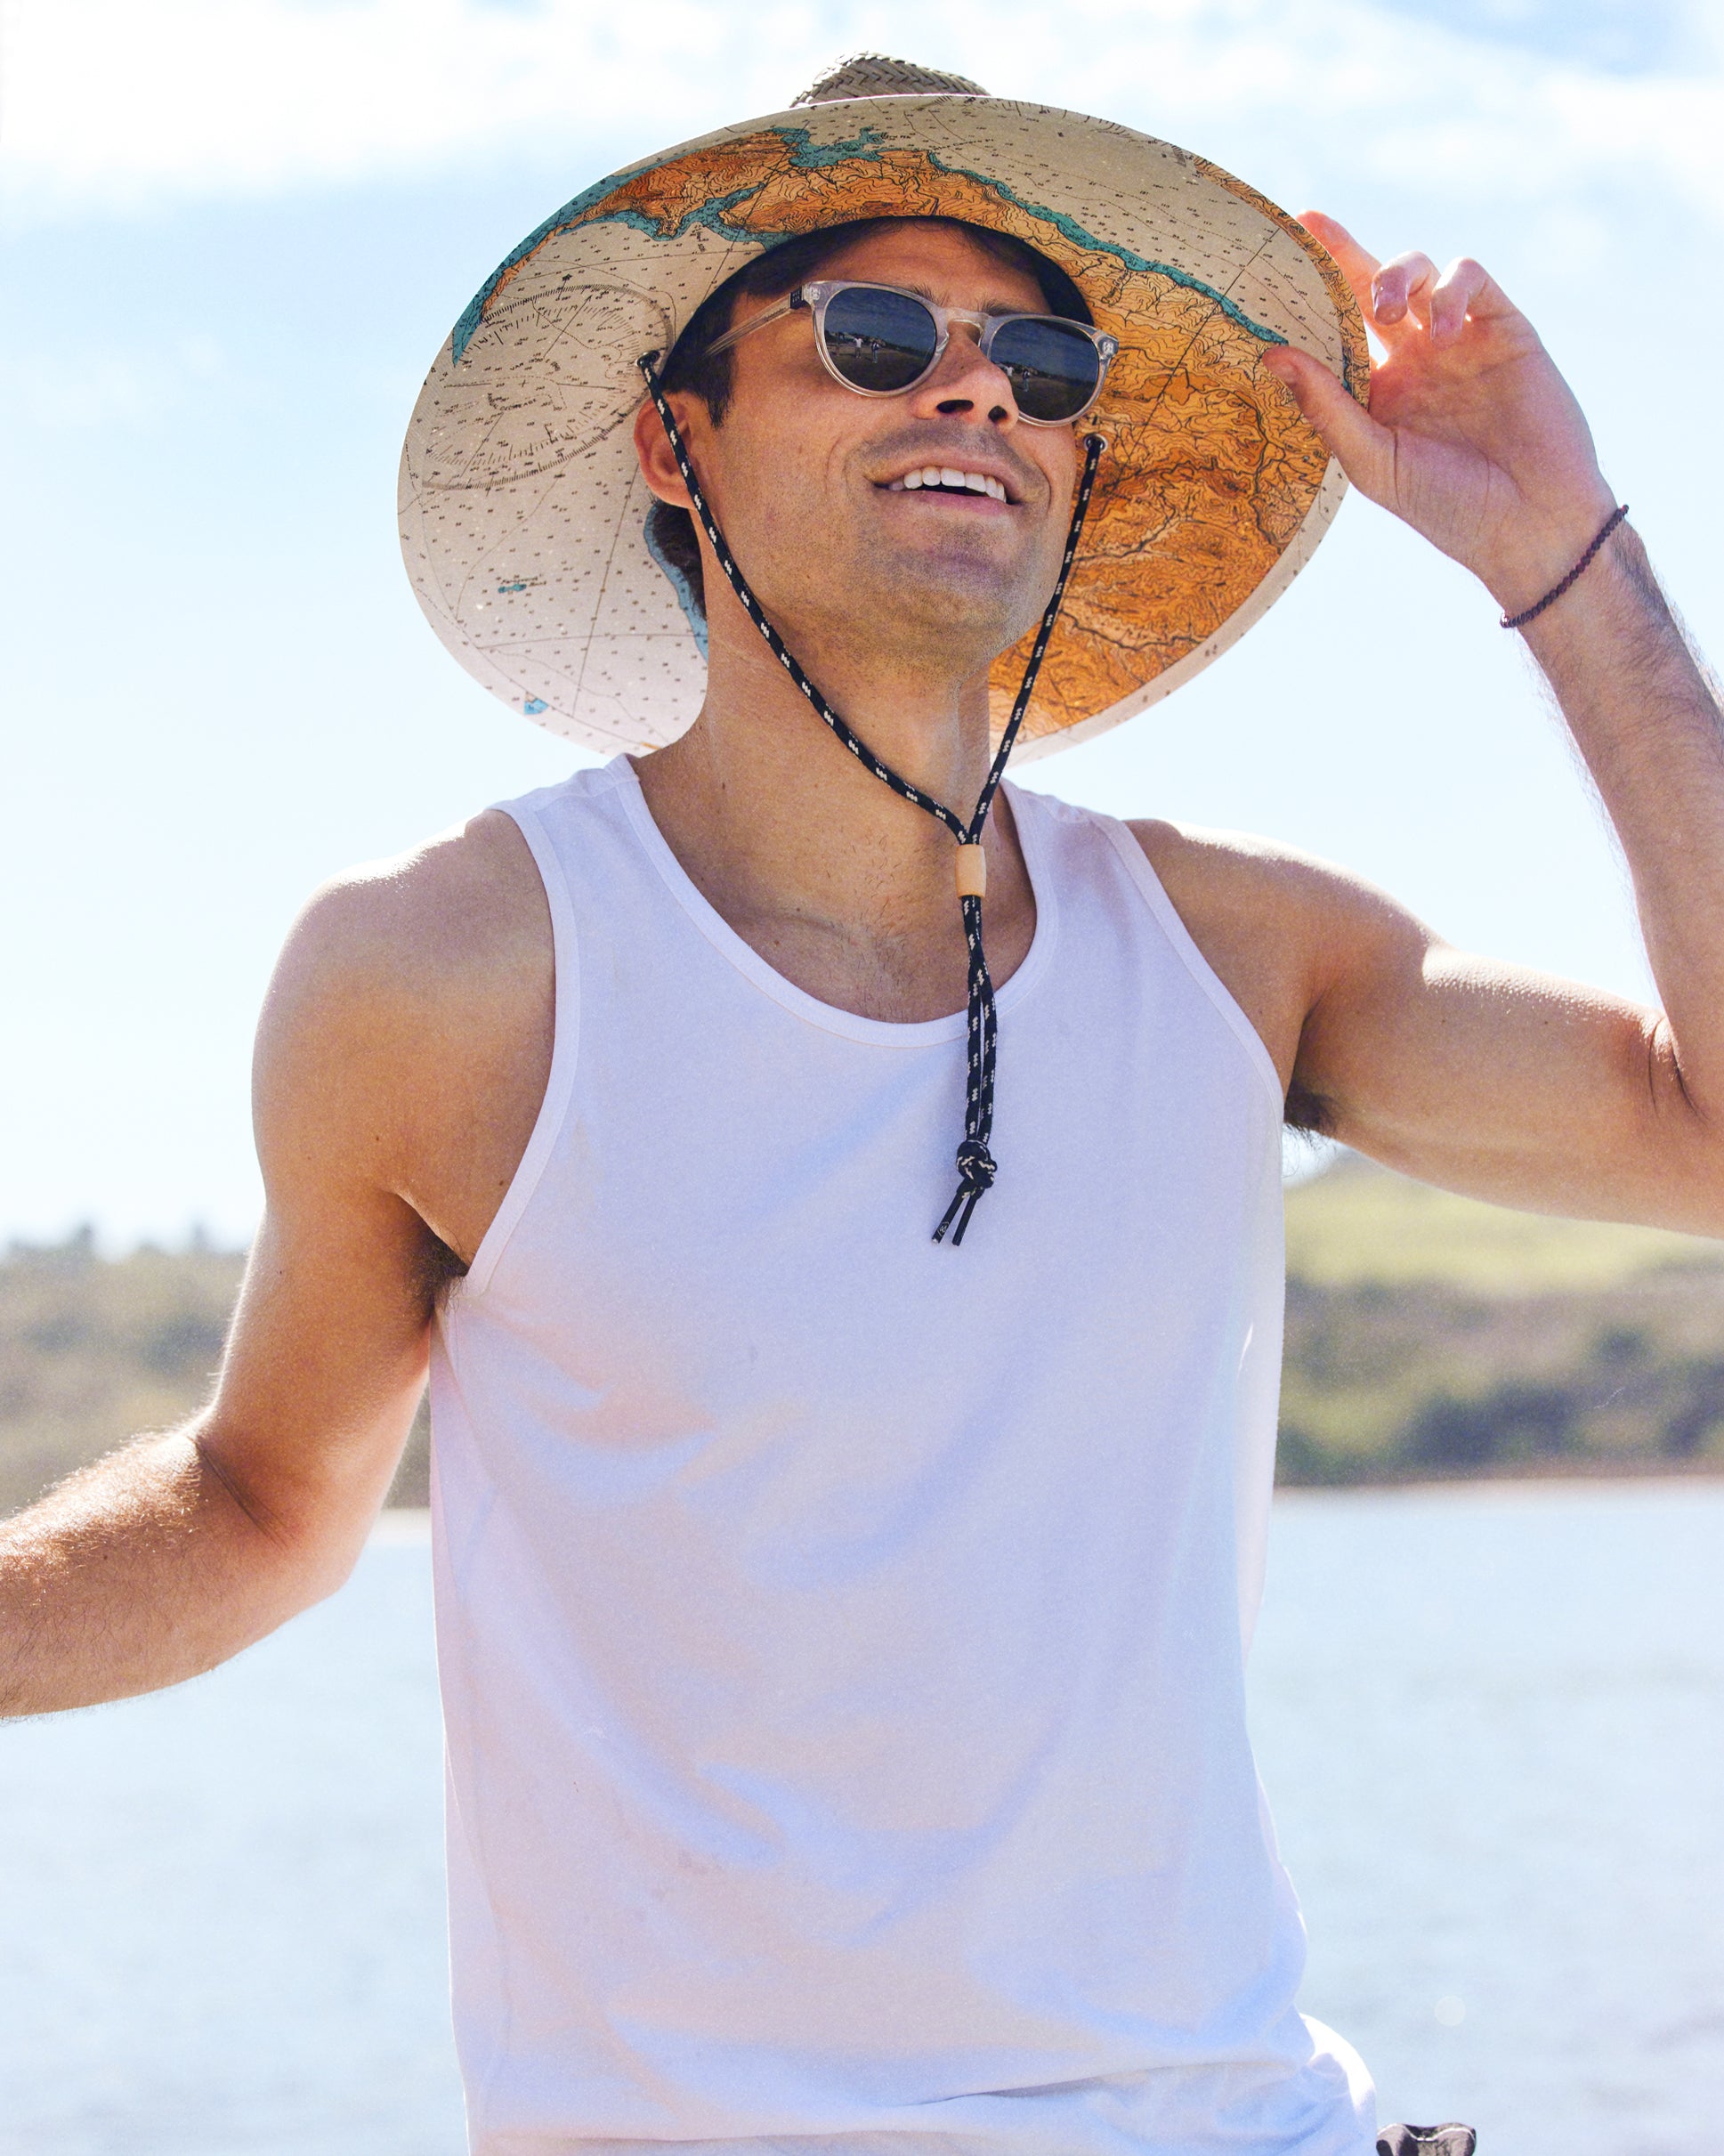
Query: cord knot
column 977, row 1167
column 976, row 1172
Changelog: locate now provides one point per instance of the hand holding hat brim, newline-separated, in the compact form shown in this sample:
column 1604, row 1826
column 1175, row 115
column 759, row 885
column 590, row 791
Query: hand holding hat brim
column 1471, row 436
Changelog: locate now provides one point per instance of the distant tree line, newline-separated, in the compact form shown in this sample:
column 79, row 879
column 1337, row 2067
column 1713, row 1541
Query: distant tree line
column 1423, row 1380
column 1384, row 1382
column 95, row 1350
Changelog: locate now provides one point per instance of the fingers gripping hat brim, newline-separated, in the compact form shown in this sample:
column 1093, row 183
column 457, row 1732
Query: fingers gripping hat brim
column 523, row 513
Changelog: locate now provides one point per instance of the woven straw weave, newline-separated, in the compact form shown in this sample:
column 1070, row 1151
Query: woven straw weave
column 878, row 75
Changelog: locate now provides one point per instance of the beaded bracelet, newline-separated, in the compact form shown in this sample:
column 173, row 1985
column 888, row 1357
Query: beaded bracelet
column 1557, row 590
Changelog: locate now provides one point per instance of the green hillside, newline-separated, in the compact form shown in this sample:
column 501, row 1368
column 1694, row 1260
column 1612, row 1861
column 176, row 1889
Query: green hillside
column 1430, row 1335
column 94, row 1349
column 1356, row 1223
column 1426, row 1336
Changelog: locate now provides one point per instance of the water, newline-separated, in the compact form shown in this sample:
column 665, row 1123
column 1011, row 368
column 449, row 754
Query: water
column 1493, row 1727
column 1491, row 1723
column 221, row 1908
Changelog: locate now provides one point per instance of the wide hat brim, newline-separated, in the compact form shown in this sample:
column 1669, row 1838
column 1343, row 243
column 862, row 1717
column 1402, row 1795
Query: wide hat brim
column 523, row 511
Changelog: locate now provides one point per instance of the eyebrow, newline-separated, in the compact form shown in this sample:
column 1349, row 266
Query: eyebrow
column 988, row 307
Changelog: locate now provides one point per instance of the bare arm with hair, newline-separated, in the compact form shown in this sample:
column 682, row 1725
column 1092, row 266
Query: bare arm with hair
column 1493, row 1080
column 401, row 1060
column 1487, row 1078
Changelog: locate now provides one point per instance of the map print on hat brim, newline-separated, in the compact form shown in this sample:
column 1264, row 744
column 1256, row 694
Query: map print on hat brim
column 523, row 511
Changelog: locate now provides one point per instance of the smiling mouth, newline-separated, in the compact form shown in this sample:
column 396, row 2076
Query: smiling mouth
column 949, row 479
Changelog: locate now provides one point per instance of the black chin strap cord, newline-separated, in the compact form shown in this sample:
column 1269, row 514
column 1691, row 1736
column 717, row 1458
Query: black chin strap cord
column 977, row 1167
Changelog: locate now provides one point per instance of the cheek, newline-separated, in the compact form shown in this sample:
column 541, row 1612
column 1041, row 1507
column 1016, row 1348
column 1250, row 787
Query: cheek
column 778, row 481
column 1063, row 465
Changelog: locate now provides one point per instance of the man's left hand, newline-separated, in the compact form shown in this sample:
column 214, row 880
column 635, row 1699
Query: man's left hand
column 1472, row 436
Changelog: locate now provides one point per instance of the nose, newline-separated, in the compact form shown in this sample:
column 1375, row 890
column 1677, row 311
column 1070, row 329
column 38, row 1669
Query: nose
column 965, row 383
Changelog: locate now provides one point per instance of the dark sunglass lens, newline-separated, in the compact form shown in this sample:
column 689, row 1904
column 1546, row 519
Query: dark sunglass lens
column 879, row 340
column 1054, row 370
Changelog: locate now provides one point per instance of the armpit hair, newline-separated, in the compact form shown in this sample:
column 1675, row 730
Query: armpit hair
column 437, row 1267
column 1308, row 1112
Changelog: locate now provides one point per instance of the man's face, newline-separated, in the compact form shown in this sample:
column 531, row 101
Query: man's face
column 806, row 476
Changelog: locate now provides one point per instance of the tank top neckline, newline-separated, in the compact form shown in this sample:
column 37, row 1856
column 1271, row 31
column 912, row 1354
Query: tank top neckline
column 922, row 1032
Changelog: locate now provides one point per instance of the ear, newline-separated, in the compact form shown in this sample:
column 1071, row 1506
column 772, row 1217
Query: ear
column 658, row 461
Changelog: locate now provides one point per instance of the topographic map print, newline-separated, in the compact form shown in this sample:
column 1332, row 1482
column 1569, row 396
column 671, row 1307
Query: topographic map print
column 1210, row 471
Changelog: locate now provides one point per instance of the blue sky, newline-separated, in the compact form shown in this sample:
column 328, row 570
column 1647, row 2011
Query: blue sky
column 234, row 233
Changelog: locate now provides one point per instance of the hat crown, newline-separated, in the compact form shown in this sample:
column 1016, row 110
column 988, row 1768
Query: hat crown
column 880, row 75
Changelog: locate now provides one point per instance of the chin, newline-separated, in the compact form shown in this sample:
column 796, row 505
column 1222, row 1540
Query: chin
column 959, row 605
column 952, row 595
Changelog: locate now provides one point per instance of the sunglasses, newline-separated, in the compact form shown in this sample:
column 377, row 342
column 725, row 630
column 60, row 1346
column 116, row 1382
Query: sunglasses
column 880, row 341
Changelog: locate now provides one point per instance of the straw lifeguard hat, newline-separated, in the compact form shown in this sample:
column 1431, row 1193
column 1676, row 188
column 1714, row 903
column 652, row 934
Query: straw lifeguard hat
column 523, row 512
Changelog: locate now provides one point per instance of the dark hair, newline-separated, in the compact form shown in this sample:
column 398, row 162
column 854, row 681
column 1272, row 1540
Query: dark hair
column 1311, row 1115
column 711, row 375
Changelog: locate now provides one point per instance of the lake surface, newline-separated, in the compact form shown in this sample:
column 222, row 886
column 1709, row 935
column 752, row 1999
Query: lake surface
column 1492, row 1723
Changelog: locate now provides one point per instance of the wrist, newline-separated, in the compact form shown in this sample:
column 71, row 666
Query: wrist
column 1615, row 596
column 1526, row 574
column 1530, row 615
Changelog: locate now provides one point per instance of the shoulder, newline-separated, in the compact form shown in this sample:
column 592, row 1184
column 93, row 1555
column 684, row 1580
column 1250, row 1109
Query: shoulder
column 1230, row 881
column 1282, row 928
column 1218, row 874
column 460, row 903
column 399, row 975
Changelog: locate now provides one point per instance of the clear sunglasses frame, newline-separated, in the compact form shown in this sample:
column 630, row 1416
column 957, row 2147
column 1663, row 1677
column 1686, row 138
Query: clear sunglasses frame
column 816, row 298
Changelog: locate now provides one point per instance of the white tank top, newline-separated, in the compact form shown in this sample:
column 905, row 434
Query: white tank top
column 842, row 1635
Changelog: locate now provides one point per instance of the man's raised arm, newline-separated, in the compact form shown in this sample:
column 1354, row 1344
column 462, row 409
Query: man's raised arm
column 1480, row 1076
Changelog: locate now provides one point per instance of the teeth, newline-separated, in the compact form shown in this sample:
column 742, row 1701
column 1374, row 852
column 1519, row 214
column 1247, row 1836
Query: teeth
column 948, row 475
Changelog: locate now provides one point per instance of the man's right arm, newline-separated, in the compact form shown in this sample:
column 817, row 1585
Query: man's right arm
column 179, row 1550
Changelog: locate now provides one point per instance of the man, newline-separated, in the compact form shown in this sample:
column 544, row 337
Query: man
column 842, row 1632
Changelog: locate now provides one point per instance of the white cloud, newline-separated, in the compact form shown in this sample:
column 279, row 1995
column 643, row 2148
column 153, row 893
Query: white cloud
column 111, row 104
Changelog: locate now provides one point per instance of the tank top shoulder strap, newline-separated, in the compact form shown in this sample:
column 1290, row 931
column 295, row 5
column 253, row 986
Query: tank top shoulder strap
column 571, row 830
column 1094, row 850
column 566, row 825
